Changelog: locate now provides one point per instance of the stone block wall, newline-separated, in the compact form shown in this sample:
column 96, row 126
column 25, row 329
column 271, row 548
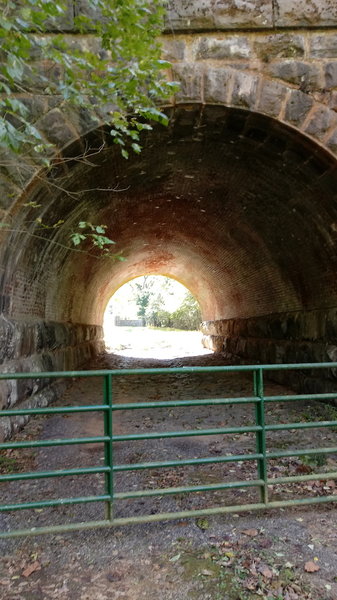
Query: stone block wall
column 283, row 338
column 287, row 75
column 38, row 346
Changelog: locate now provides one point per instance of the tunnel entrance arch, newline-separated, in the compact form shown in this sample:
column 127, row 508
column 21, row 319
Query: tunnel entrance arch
column 153, row 316
column 239, row 206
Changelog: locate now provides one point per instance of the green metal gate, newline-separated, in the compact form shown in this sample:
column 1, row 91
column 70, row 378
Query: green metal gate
column 108, row 408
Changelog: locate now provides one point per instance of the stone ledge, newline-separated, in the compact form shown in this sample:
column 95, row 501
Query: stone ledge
column 21, row 338
column 315, row 325
column 10, row 425
column 70, row 358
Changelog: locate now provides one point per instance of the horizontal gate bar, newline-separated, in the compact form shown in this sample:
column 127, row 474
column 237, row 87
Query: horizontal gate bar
column 45, row 474
column 162, row 404
column 56, row 502
column 170, row 370
column 301, row 478
column 186, row 462
column 179, row 403
column 166, row 516
column 129, row 406
column 56, row 442
column 157, row 465
column 309, row 425
column 53, row 411
column 296, row 397
column 301, row 452
column 189, row 489
column 188, row 433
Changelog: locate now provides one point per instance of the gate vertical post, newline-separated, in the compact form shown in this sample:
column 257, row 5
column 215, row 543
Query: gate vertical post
column 108, row 446
column 261, row 434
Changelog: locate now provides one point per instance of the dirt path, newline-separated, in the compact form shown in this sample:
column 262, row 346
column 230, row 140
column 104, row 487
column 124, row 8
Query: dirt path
column 237, row 556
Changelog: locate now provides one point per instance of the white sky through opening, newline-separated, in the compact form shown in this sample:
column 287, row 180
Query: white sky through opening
column 147, row 342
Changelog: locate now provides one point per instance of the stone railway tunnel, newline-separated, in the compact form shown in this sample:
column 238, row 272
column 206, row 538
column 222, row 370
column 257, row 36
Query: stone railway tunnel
column 236, row 198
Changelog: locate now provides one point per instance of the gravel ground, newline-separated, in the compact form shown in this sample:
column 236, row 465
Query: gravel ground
column 245, row 555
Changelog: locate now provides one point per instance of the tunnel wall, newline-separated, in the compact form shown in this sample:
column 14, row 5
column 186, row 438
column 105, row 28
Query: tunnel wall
column 37, row 345
column 289, row 337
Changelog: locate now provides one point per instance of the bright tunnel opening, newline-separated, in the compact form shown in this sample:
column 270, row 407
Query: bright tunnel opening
column 153, row 316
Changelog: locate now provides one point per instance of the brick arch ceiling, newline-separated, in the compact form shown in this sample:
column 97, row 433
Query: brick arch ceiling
column 237, row 207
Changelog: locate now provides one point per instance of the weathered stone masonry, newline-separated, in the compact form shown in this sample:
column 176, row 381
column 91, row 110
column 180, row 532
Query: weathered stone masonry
column 236, row 199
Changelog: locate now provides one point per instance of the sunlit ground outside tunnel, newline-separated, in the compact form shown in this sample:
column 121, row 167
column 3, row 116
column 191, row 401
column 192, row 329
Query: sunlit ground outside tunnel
column 144, row 342
column 153, row 317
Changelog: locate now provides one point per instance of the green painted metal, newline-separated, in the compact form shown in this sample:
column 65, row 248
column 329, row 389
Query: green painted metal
column 47, row 474
column 56, row 442
column 53, row 411
column 69, row 527
column 108, row 447
column 313, row 424
column 187, row 462
column 171, row 370
column 107, row 441
column 188, row 433
column 302, row 452
column 182, row 403
column 56, row 502
column 261, row 433
column 212, row 487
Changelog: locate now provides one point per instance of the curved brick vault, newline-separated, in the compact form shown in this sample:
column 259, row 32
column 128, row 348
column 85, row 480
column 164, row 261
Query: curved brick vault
column 237, row 207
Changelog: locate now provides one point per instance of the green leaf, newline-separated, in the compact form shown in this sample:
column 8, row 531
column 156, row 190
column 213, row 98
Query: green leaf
column 77, row 238
column 136, row 148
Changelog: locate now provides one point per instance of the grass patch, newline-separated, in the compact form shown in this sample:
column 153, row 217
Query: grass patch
column 8, row 464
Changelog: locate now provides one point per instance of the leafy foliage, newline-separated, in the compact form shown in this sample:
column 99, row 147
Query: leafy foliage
column 117, row 71
column 150, row 294
column 143, row 293
column 187, row 316
column 95, row 233
column 122, row 74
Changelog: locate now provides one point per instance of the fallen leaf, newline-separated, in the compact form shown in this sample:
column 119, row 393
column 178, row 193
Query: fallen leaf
column 175, row 558
column 311, row 567
column 206, row 572
column 265, row 571
column 35, row 566
column 250, row 532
